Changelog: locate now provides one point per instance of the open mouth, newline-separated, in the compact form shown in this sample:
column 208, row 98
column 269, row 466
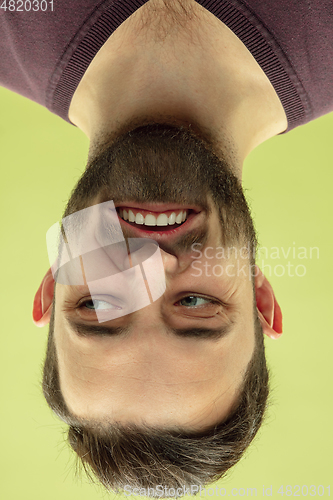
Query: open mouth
column 148, row 220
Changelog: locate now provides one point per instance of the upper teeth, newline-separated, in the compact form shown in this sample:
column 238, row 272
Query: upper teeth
column 150, row 219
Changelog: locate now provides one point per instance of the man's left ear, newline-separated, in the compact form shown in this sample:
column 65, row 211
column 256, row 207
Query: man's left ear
column 42, row 307
column 269, row 311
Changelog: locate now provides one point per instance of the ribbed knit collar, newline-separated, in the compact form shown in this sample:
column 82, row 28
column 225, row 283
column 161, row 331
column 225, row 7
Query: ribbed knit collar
column 107, row 17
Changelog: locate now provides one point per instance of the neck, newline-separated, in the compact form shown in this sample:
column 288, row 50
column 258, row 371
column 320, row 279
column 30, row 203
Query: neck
column 190, row 71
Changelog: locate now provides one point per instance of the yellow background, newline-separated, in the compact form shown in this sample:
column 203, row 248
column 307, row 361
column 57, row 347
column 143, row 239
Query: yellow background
column 288, row 181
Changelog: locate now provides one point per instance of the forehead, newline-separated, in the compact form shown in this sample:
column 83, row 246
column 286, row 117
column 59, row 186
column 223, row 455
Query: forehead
column 118, row 377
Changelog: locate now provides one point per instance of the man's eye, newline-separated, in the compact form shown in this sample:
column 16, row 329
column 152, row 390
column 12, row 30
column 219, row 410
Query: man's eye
column 98, row 305
column 195, row 301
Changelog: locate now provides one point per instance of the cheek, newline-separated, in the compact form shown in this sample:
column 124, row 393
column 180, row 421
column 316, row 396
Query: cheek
column 239, row 352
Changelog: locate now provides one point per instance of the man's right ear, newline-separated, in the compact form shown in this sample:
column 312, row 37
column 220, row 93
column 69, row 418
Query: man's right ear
column 42, row 307
column 269, row 311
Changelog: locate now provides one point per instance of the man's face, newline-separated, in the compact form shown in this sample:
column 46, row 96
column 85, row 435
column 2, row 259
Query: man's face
column 180, row 361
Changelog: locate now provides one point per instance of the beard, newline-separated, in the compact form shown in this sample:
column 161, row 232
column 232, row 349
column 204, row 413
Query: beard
column 167, row 164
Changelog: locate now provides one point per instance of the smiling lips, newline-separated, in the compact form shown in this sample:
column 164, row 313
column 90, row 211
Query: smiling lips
column 166, row 220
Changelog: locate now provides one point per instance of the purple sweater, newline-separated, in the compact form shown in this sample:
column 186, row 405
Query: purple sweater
column 43, row 55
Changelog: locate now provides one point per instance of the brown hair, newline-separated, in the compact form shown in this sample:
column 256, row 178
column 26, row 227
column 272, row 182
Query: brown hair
column 143, row 457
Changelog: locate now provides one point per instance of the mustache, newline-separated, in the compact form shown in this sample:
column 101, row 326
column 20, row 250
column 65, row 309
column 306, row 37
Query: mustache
column 181, row 246
column 185, row 242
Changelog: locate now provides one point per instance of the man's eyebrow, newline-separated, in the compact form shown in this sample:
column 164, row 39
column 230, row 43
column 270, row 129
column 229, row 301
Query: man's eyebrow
column 84, row 330
column 202, row 333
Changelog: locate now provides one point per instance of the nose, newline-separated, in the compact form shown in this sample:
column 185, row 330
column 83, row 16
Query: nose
column 170, row 262
column 141, row 249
